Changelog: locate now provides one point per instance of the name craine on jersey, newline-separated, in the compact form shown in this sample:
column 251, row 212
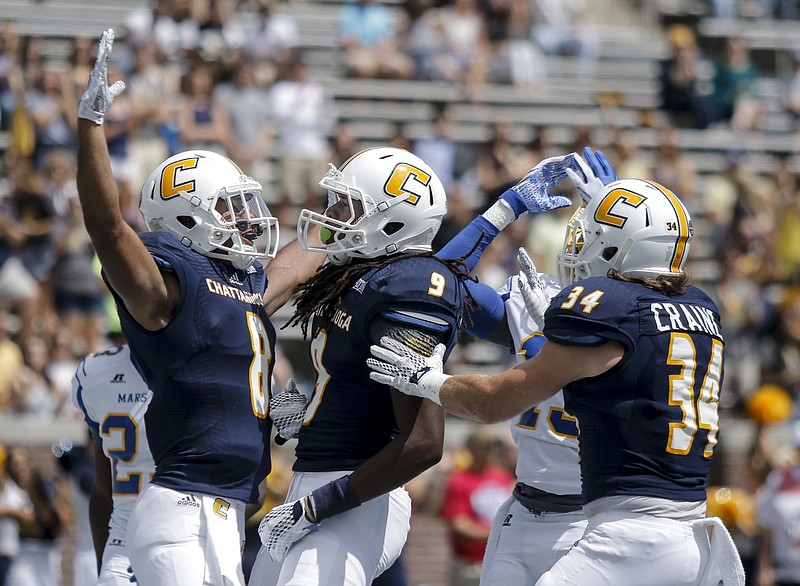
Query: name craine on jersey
column 652, row 420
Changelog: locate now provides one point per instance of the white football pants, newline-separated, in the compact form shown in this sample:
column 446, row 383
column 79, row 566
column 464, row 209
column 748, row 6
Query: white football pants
column 516, row 532
column 349, row 549
column 186, row 539
column 622, row 548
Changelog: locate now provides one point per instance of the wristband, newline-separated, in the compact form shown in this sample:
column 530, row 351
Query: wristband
column 333, row 498
column 501, row 214
column 431, row 383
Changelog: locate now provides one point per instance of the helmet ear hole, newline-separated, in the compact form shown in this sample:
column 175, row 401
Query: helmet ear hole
column 608, row 253
column 187, row 221
column 392, row 227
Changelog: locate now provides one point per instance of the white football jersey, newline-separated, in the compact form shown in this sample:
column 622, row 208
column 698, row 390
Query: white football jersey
column 113, row 397
column 546, row 434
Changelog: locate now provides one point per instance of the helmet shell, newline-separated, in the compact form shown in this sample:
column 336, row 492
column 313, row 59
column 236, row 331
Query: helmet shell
column 395, row 201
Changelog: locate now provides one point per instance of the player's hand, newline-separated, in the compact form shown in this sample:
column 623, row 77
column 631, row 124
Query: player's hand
column 532, row 289
column 408, row 371
column 591, row 173
column 284, row 525
column 287, row 410
column 98, row 97
column 532, row 193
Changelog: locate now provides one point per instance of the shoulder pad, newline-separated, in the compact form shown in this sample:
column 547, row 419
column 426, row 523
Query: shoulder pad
column 413, row 318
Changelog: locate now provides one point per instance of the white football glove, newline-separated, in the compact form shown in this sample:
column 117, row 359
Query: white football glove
column 287, row 410
column 408, row 371
column 283, row 526
column 591, row 173
column 532, row 288
column 98, row 97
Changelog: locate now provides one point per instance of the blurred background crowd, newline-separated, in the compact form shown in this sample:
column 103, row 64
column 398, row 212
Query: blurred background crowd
column 702, row 96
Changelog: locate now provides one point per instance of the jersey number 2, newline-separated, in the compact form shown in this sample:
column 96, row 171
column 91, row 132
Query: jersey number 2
column 128, row 430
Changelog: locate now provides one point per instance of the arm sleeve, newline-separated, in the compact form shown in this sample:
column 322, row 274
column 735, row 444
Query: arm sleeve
column 480, row 231
column 490, row 312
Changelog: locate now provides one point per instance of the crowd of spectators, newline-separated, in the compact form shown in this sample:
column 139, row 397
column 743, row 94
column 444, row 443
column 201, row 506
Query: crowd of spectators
column 229, row 75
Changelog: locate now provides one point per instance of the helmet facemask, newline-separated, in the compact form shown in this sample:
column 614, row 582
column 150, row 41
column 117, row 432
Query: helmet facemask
column 208, row 203
column 342, row 226
column 570, row 267
column 245, row 229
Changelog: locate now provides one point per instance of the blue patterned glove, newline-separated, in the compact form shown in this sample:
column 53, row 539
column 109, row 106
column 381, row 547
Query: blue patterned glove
column 591, row 173
column 532, row 193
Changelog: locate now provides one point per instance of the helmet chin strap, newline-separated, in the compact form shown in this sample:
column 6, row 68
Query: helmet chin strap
column 339, row 258
column 621, row 254
column 241, row 262
column 385, row 205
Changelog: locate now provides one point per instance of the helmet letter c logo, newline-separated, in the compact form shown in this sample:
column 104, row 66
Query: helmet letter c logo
column 603, row 213
column 398, row 181
column 169, row 178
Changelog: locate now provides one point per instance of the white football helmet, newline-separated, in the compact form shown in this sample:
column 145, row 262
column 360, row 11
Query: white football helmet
column 638, row 228
column 387, row 201
column 207, row 202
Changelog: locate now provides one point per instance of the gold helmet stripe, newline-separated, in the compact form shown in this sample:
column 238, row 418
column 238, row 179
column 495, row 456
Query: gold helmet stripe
column 237, row 167
column 682, row 242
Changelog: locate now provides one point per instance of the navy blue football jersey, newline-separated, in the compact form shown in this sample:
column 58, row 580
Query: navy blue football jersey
column 350, row 417
column 209, row 371
column 648, row 426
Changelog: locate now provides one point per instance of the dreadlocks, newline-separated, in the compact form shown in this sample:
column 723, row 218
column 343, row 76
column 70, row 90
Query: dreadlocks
column 321, row 294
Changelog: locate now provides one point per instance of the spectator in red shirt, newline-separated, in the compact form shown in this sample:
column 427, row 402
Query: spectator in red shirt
column 472, row 496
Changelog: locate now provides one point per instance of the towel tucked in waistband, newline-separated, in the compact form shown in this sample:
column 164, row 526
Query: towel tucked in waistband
column 535, row 500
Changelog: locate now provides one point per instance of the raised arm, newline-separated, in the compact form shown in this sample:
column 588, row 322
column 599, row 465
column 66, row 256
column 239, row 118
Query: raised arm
column 150, row 295
column 290, row 267
column 530, row 195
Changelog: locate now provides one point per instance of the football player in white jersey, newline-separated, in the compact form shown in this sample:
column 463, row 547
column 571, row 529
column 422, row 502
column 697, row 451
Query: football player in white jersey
column 113, row 397
column 544, row 513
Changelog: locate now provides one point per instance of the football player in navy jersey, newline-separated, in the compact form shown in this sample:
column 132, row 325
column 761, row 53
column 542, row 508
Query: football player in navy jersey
column 638, row 351
column 190, row 294
column 360, row 441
